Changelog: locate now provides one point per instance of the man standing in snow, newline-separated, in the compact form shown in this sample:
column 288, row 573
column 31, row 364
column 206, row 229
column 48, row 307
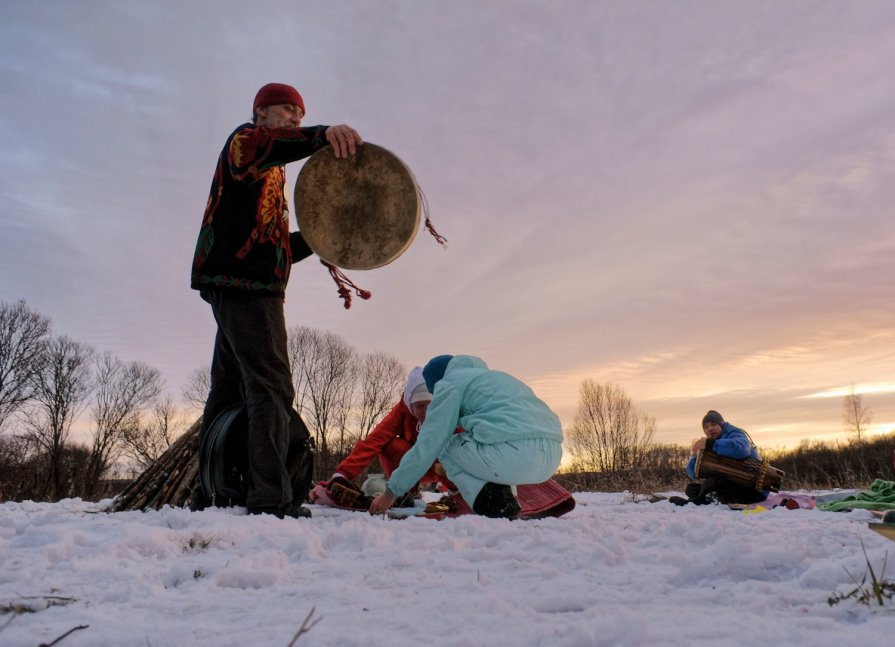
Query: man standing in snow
column 507, row 436
column 241, row 267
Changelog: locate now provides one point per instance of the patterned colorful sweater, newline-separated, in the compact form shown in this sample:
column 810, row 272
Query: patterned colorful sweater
column 244, row 242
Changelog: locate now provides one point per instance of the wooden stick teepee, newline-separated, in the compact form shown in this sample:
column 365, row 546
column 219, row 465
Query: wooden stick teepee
column 168, row 481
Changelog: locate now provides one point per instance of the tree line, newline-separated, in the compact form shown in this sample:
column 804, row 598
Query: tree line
column 612, row 448
column 49, row 381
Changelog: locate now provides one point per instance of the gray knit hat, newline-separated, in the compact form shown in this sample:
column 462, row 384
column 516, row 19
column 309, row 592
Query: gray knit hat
column 713, row 417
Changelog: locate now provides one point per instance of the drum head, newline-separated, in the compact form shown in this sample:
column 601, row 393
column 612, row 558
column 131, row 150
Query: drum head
column 357, row 213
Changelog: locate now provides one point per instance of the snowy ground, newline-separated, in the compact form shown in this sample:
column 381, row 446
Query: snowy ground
column 612, row 572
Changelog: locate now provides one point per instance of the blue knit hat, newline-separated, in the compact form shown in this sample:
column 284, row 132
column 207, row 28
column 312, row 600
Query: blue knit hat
column 434, row 370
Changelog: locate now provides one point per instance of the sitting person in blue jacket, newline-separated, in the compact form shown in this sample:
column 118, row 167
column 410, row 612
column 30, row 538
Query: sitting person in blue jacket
column 723, row 439
column 507, row 436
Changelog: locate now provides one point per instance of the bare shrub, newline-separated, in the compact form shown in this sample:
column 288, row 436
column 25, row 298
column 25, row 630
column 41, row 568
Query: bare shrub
column 24, row 467
column 323, row 371
column 856, row 416
column 17, row 478
column 608, row 433
column 340, row 394
column 818, row 465
column 152, row 436
column 59, row 389
column 22, row 334
column 381, row 379
column 198, row 384
column 123, row 390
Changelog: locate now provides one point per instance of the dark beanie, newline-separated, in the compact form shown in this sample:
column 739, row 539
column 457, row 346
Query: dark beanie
column 713, row 417
column 274, row 94
column 434, row 370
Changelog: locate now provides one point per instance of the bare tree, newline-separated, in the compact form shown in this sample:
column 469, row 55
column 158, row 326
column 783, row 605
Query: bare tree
column 322, row 371
column 856, row 415
column 342, row 433
column 608, row 433
column 123, row 390
column 59, row 390
column 147, row 441
column 381, row 379
column 301, row 344
column 19, row 480
column 198, row 384
column 22, row 334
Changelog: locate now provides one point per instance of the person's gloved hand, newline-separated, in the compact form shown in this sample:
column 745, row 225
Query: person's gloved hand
column 381, row 503
column 319, row 492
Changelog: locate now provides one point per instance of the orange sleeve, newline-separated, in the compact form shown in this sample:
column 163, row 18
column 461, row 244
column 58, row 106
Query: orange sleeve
column 367, row 449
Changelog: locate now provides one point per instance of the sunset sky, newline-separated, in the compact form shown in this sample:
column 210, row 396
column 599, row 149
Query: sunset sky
column 690, row 199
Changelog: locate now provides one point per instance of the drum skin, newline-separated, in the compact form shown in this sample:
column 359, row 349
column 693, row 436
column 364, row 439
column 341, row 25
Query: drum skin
column 358, row 213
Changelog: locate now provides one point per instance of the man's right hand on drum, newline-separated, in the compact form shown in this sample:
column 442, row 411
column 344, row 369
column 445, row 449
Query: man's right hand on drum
column 344, row 140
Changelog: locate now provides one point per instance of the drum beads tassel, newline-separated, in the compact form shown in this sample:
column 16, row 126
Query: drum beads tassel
column 343, row 282
column 441, row 240
column 360, row 213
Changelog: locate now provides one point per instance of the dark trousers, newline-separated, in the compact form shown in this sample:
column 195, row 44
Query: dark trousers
column 251, row 364
column 724, row 491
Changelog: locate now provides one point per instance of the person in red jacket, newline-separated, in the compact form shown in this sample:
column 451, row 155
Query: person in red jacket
column 393, row 437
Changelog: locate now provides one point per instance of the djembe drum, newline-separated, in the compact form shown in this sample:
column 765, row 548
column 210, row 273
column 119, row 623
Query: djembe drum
column 747, row 472
column 358, row 213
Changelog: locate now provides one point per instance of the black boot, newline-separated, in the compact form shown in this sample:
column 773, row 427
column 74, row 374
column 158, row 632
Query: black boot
column 496, row 501
column 198, row 500
column 289, row 510
column 702, row 493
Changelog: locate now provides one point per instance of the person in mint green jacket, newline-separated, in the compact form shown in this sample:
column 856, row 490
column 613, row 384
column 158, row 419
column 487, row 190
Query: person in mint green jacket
column 508, row 436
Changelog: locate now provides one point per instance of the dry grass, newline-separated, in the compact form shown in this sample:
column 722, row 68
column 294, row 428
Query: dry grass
column 811, row 466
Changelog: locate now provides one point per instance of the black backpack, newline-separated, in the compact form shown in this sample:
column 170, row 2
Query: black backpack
column 223, row 458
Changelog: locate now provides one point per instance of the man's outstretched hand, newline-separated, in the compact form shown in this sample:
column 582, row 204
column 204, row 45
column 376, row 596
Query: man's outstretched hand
column 344, row 140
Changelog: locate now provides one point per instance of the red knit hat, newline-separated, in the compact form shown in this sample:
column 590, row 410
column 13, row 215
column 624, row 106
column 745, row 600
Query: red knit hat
column 274, row 94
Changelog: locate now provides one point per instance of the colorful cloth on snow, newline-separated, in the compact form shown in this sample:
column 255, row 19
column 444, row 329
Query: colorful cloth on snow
column 880, row 496
column 792, row 501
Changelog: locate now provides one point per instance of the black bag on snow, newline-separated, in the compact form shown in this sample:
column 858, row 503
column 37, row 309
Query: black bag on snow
column 223, row 458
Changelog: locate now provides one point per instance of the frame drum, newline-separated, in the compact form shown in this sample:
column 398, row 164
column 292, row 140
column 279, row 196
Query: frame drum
column 747, row 472
column 358, row 213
